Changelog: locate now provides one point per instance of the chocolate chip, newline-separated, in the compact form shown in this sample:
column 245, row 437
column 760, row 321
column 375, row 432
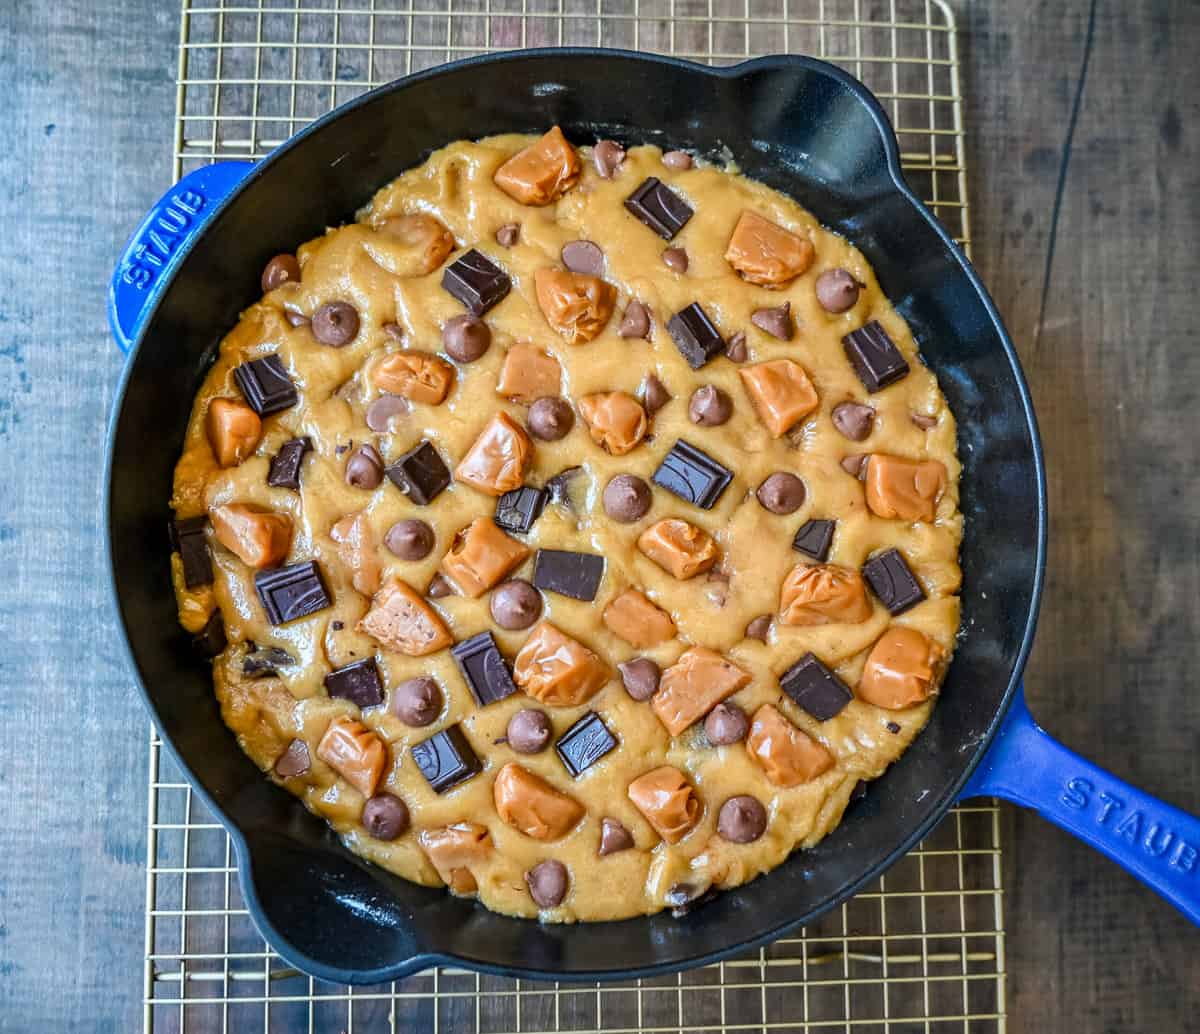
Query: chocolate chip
column 892, row 580
column 295, row 319
column 550, row 419
column 659, row 207
column 709, row 406
column 188, row 540
column 394, row 331
column 381, row 412
column 608, row 156
column 585, row 743
column 291, row 592
column 508, row 234
column 636, row 321
column 684, row 898
column 726, row 724
column 676, row 260
column 614, row 837
column 836, row 290
column 517, row 510
column 560, row 489
column 265, row 662
column 923, row 421
column 446, row 759
column 654, row 395
column 476, row 281
column 736, row 351
column 626, row 498
column 677, row 160
column 335, row 324
column 583, row 257
column 874, row 356
column 284, row 471
column 358, row 682
column 759, row 628
column 568, row 573
column 856, row 465
column 781, row 493
column 742, row 820
column 814, row 539
column 853, row 420
column 515, row 604
column 439, row 587
column 266, row 385
column 210, row 640
column 410, row 539
column 466, row 337
column 815, row 688
column 280, row 270
column 640, row 677
column 776, row 321
column 695, row 335
column 295, row 761
column 385, row 816
column 547, row 882
column 337, row 626
column 484, row 669
column 364, row 468
column 420, row 474
column 529, row 731
column 893, row 727
column 692, row 475
column 417, row 701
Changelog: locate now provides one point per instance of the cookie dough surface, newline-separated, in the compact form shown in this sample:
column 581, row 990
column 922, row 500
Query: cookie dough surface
column 401, row 308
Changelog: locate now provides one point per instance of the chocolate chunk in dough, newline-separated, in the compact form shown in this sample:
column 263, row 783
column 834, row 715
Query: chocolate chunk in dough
column 282, row 269
column 529, row 731
column 695, row 335
column 417, row 701
column 736, row 351
column 263, row 662
column 476, row 281
column 446, row 759
column 548, row 883
column 210, row 640
column 659, row 207
column 892, row 580
column 364, row 468
column 285, row 465
column 874, row 356
column 692, row 475
column 608, row 156
column 640, row 677
column 759, row 628
column 742, row 820
column 676, row 260
column 853, row 420
column 677, row 160
column 726, row 724
column 583, row 257
column 585, row 743
column 781, row 493
column 385, row 816
column 508, row 234
column 484, row 669
column 893, row 727
column 815, row 688
column 654, row 395
column 295, row 761
column 266, row 385
column 550, row 419
column 710, row 406
column 814, row 539
column 776, row 321
column 559, row 487
column 291, row 592
column 358, row 682
column 518, row 509
column 636, row 321
column 568, row 573
column 384, row 409
column 420, row 474
column 626, row 498
column 410, row 539
column 335, row 324
column 614, row 837
column 515, row 604
column 466, row 338
column 187, row 538
column 836, row 290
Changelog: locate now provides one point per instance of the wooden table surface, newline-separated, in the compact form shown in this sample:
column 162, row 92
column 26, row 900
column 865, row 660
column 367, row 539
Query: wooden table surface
column 1084, row 158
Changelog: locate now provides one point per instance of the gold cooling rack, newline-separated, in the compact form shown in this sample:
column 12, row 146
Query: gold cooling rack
column 923, row 950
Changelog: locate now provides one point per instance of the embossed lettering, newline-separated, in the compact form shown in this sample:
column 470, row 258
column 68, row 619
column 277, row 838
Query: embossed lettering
column 137, row 276
column 157, row 245
column 1110, row 805
column 1184, row 858
column 1156, row 849
column 1076, row 793
column 191, row 201
column 172, row 220
column 1130, row 827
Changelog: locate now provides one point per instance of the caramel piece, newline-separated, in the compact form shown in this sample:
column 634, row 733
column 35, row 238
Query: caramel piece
column 528, row 374
column 575, row 304
column 902, row 669
column 258, row 538
column 905, row 489
column 667, row 801
column 356, row 548
column 693, row 686
column 788, row 755
column 765, row 253
column 616, row 421
column 679, row 548
column 425, row 240
column 354, row 752
column 454, row 849
column 637, row 620
column 823, row 594
column 233, row 430
column 481, row 555
column 556, row 669
column 496, row 462
column 418, row 376
column 781, row 392
column 402, row 621
column 532, row 806
column 541, row 172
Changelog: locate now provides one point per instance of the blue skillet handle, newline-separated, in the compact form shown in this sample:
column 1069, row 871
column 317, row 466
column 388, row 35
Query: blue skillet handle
column 1156, row 842
column 157, row 245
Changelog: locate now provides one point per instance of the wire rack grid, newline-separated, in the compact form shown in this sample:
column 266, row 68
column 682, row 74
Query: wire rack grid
column 923, row 949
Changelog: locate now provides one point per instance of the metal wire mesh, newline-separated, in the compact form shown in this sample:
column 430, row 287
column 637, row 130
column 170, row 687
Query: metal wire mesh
column 923, row 950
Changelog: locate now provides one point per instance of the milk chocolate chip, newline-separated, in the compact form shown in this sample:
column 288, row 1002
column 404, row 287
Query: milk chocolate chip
column 776, row 321
column 410, row 539
column 759, row 628
column 294, row 761
column 726, row 724
column 515, row 604
column 676, row 260
column 335, row 324
column 583, row 257
column 836, row 290
column 384, row 410
column 529, row 731
column 742, row 820
column 364, row 468
column 781, row 493
column 736, row 351
column 614, row 837
column 280, row 270
column 856, row 465
column 640, row 677
column 654, row 394
column 550, row 419
column 417, row 702
column 508, row 234
column 853, row 420
column 385, row 816
column 677, row 160
column 466, row 337
column 709, row 406
column 636, row 321
column 608, row 156
column 626, row 498
column 547, row 882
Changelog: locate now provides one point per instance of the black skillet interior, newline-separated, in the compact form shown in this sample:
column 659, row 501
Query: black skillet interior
column 793, row 123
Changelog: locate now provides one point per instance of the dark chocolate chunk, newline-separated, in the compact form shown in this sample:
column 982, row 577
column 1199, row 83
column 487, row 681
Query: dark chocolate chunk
column 187, row 539
column 559, row 487
column 814, row 539
column 518, row 509
column 695, row 335
column 263, row 662
column 446, row 759
column 420, row 474
column 585, row 743
column 476, row 281
column 859, row 791
column 692, row 475
column 684, row 898
column 892, row 580
column 210, row 640
column 815, row 688
column 659, row 207
column 572, row 574
column 291, row 592
column 285, row 465
column 265, row 384
column 893, row 727
column 484, row 669
column 358, row 682
column 874, row 356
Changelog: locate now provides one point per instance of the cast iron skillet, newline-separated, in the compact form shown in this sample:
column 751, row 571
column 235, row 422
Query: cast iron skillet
column 796, row 124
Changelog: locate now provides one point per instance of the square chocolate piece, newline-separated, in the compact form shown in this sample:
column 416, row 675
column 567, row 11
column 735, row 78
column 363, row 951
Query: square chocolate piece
column 187, row 539
column 585, row 743
column 815, row 688
column 659, row 207
column 695, row 335
column 446, row 759
column 518, row 509
column 874, row 356
column 265, row 384
column 476, row 281
column 420, row 474
column 291, row 592
column 814, row 539
column 358, row 682
column 484, row 669
column 285, row 466
column 571, row 574
column 692, row 475
column 892, row 580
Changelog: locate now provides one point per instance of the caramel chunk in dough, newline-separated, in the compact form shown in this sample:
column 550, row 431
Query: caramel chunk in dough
column 528, row 374
column 576, row 305
column 667, row 801
column 902, row 669
column 401, row 620
column 556, row 669
column 497, row 460
column 354, row 752
column 788, row 755
column 233, row 430
column 426, row 242
column 616, row 421
column 765, row 253
column 637, row 620
column 481, row 555
column 357, row 550
column 905, row 489
column 693, row 686
column 823, row 594
column 259, row 538
column 679, row 548
column 454, row 849
column 418, row 376
column 541, row 172
column 532, row 806
column 781, row 392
